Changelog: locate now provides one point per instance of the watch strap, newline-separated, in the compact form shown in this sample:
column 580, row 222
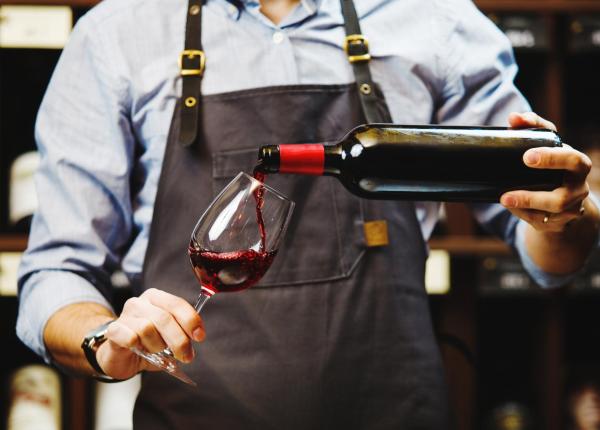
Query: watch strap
column 90, row 345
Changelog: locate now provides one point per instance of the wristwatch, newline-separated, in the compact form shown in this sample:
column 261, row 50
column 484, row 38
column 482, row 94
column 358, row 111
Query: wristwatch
column 91, row 343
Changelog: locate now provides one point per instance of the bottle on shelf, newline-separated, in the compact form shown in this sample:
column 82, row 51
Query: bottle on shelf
column 584, row 408
column 35, row 399
column 22, row 195
column 114, row 404
column 510, row 416
column 428, row 163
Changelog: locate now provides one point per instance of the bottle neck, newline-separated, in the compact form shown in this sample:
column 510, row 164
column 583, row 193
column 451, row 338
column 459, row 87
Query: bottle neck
column 303, row 159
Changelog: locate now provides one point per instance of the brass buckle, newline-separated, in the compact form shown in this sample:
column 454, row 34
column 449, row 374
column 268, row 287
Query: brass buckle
column 191, row 54
column 357, row 39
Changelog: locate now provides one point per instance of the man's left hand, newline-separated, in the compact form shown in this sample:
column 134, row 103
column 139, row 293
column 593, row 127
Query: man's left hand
column 550, row 211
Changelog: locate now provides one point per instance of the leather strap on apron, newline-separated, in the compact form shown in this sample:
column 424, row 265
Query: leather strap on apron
column 356, row 46
column 191, row 64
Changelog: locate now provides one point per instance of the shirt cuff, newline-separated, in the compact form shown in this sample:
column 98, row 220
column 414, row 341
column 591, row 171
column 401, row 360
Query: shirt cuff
column 596, row 201
column 42, row 295
column 542, row 278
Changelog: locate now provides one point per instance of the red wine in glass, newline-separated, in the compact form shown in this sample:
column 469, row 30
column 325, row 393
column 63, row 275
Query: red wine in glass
column 220, row 272
column 234, row 270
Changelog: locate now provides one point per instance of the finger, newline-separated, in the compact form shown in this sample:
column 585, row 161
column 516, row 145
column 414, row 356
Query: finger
column 529, row 119
column 154, row 319
column 533, row 217
column 565, row 158
column 149, row 337
column 120, row 362
column 560, row 200
column 122, row 335
column 544, row 221
column 185, row 315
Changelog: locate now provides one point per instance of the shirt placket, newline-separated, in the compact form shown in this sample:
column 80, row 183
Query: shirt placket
column 278, row 43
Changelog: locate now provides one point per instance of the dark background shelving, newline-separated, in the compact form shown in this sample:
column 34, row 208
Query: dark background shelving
column 529, row 345
column 524, row 345
column 30, row 70
column 24, row 76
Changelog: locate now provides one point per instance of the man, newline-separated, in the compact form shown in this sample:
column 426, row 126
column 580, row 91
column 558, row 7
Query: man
column 337, row 335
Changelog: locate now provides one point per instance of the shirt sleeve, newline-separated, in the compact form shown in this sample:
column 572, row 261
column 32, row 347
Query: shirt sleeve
column 479, row 89
column 542, row 278
column 479, row 68
column 84, row 219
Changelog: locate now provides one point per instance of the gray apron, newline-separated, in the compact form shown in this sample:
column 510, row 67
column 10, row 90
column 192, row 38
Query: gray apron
column 336, row 335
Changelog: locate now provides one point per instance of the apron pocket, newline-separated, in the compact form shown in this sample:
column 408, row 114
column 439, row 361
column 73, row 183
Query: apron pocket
column 324, row 241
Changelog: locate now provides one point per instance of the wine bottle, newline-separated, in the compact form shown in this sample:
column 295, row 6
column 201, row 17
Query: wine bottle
column 114, row 403
column 510, row 416
column 22, row 195
column 429, row 163
column 35, row 399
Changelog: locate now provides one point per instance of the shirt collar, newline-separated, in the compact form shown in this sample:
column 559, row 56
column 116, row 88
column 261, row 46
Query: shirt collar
column 311, row 6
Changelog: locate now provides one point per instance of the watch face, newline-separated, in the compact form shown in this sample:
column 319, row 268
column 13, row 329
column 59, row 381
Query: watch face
column 90, row 345
column 99, row 335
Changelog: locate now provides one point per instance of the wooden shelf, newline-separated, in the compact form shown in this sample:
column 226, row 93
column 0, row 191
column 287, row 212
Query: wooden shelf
column 13, row 242
column 538, row 6
column 470, row 245
column 456, row 244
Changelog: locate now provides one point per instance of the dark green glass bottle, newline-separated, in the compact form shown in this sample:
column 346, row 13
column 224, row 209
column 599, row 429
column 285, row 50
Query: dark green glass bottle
column 441, row 163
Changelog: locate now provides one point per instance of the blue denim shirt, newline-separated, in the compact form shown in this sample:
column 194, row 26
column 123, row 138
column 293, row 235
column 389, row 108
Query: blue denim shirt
column 103, row 123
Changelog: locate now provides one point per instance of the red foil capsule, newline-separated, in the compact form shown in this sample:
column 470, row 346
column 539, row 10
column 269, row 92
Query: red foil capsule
column 306, row 159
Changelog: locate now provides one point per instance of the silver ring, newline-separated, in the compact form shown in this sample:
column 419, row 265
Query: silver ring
column 581, row 210
column 546, row 218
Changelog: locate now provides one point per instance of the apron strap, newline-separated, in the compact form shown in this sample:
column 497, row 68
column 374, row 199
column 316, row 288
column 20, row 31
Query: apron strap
column 191, row 65
column 356, row 47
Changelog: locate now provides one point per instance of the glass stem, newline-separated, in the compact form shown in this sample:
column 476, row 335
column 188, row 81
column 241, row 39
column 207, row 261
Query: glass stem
column 202, row 299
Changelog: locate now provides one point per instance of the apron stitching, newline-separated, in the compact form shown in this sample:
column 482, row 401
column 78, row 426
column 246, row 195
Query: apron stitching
column 263, row 92
column 342, row 263
column 340, row 277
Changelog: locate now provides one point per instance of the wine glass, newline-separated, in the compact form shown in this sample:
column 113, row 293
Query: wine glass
column 233, row 244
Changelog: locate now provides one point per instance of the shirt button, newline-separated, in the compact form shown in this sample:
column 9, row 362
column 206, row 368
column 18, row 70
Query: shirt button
column 278, row 37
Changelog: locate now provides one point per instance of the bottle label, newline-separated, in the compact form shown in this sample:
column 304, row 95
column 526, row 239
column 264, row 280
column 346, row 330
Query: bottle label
column 305, row 159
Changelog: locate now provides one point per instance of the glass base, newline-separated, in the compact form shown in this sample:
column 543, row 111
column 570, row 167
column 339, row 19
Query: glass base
column 165, row 361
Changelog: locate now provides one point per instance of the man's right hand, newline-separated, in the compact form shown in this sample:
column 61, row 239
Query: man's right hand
column 153, row 321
